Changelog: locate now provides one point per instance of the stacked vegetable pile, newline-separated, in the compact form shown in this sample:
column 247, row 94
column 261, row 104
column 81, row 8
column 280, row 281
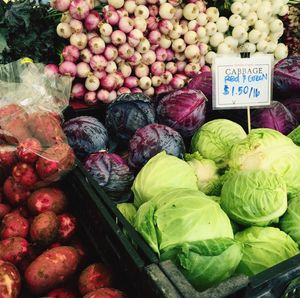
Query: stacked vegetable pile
column 154, row 47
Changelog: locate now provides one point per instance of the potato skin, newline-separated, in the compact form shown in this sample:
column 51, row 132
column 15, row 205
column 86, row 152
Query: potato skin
column 13, row 249
column 51, row 268
column 44, row 228
column 47, row 199
column 10, row 281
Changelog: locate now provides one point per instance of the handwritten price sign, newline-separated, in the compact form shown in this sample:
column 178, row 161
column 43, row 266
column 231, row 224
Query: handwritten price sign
column 242, row 82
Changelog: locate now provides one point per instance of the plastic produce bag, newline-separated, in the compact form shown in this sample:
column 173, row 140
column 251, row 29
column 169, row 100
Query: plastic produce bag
column 33, row 147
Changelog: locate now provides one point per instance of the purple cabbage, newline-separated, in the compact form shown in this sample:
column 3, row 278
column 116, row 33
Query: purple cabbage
column 152, row 139
column 293, row 104
column 128, row 113
column 277, row 117
column 286, row 79
column 202, row 82
column 111, row 172
column 86, row 135
column 182, row 110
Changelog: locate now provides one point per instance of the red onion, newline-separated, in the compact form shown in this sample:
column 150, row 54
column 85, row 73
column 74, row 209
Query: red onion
column 143, row 46
column 92, row 20
column 205, row 68
column 79, row 9
column 91, row 35
column 170, row 55
column 60, row 5
column 86, row 55
column 157, row 68
column 83, row 69
column 100, row 74
column 98, row 62
column 103, row 95
column 167, row 77
column 68, row 68
column 78, row 91
column 156, row 81
column 165, row 26
column 112, row 96
column 123, row 90
column 70, row 53
column 150, row 91
column 51, row 69
column 177, row 82
column 122, row 12
column 106, row 9
column 161, row 54
column 105, row 30
column 90, row 98
column 119, row 79
column 152, row 23
column 63, row 30
column 154, row 37
column 91, row 3
column 76, row 26
column 171, row 67
column 192, row 69
column 97, row 45
column 149, row 57
column 163, row 89
column 152, row 1
column 136, row 34
column 136, row 90
column 135, row 59
column 65, row 17
column 141, row 70
column 131, row 82
column 182, row 76
column 92, row 83
column 111, row 67
column 180, row 66
column 110, row 52
column 112, row 18
column 125, row 69
column 108, row 82
column 153, row 10
column 118, row 37
column 125, row 24
column 79, row 40
column 126, row 51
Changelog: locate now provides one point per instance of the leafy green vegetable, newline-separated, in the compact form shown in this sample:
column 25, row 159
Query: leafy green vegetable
column 128, row 211
column 215, row 139
column 181, row 215
column 254, row 197
column 28, row 29
column 268, row 149
column 160, row 173
column 264, row 247
column 290, row 222
column 295, row 135
column 206, row 172
column 206, row 263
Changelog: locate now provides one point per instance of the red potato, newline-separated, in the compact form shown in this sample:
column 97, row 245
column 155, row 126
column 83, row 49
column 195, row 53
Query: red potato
column 46, row 128
column 32, row 254
column 4, row 209
column 94, row 277
column 44, row 228
column 105, row 293
column 47, row 199
column 67, row 226
column 29, row 150
column 51, row 268
column 25, row 175
column 13, row 249
column 61, row 293
column 14, row 225
column 55, row 162
column 15, row 193
column 10, row 281
column 8, row 157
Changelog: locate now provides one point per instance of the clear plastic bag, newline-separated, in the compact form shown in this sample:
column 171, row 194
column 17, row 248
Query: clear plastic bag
column 33, row 147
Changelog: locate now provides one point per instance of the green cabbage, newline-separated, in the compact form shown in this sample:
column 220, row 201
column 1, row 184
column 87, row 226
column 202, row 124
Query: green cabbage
column 206, row 172
column 254, row 197
column 160, row 173
column 268, row 149
column 295, row 135
column 206, row 263
column 264, row 247
column 181, row 215
column 290, row 222
column 128, row 210
column 215, row 138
